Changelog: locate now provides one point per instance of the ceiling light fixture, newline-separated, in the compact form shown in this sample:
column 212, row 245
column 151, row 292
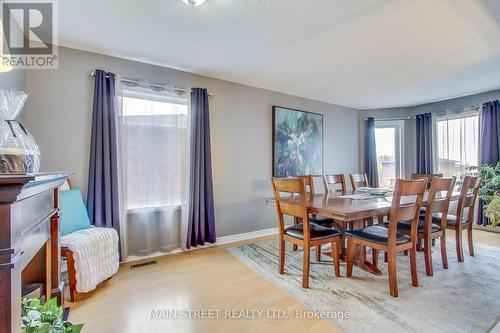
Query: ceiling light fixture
column 194, row 3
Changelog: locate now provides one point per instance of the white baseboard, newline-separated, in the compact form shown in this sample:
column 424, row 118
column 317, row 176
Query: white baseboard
column 246, row 236
column 220, row 241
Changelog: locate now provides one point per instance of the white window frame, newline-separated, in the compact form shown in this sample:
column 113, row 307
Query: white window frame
column 399, row 125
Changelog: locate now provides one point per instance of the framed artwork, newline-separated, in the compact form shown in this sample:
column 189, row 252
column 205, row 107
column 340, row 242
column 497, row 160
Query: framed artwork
column 297, row 142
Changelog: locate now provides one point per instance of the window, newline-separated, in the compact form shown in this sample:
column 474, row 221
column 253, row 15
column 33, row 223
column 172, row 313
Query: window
column 457, row 143
column 154, row 134
column 388, row 138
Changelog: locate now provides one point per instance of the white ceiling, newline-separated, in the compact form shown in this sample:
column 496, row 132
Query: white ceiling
column 358, row 53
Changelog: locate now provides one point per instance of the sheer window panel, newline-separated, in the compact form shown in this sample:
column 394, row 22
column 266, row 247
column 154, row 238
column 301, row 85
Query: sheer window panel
column 154, row 157
column 457, row 141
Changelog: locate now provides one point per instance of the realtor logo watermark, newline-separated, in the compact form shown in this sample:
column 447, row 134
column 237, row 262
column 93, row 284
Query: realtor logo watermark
column 29, row 38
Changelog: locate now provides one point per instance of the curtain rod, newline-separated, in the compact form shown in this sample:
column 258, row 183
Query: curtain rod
column 389, row 119
column 442, row 113
column 459, row 110
column 151, row 85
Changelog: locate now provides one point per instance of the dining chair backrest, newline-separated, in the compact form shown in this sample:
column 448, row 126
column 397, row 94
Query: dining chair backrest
column 437, row 202
column 331, row 180
column 309, row 181
column 294, row 203
column 429, row 177
column 358, row 180
column 406, row 204
column 468, row 196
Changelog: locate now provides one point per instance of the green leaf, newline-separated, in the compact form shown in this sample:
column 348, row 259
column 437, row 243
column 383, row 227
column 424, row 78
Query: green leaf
column 76, row 328
column 45, row 328
column 45, row 318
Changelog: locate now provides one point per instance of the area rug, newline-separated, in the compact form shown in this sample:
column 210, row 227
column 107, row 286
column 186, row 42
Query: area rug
column 464, row 298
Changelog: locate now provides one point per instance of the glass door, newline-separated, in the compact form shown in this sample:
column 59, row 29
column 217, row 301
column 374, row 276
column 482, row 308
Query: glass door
column 388, row 138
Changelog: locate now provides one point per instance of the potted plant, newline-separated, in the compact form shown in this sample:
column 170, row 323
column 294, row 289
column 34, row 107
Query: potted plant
column 38, row 317
column 489, row 190
column 492, row 210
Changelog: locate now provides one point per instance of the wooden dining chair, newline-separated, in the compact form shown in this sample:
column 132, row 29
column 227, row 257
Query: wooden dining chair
column 361, row 180
column 461, row 221
column 358, row 180
column 305, row 234
column 429, row 177
column 331, row 180
column 427, row 230
column 389, row 239
column 319, row 220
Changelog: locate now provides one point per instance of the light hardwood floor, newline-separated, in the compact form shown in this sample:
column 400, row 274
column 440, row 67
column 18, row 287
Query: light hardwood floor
column 207, row 279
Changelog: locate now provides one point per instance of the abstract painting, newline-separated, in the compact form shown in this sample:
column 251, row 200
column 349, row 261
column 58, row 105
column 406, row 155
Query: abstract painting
column 297, row 142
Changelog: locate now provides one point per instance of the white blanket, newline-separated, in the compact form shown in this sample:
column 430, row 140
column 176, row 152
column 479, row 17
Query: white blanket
column 95, row 251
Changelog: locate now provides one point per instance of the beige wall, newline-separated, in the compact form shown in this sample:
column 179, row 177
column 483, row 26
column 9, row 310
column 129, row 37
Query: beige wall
column 14, row 79
column 58, row 114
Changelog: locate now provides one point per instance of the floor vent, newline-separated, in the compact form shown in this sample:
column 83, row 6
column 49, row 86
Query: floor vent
column 142, row 264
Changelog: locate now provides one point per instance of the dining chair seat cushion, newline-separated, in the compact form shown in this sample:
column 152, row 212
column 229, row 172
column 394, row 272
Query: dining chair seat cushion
column 405, row 226
column 320, row 220
column 452, row 219
column 316, row 231
column 377, row 234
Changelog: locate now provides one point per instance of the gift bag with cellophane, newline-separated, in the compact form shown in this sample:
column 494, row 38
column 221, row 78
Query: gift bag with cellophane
column 19, row 152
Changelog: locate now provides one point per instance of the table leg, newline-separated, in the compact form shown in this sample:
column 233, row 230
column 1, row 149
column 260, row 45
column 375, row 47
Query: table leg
column 360, row 257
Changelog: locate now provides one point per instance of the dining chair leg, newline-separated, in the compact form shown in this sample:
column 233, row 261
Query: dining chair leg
column 375, row 253
column 419, row 245
column 385, row 257
column 336, row 256
column 413, row 267
column 318, row 253
column 433, row 242
column 282, row 256
column 444, row 256
column 294, row 246
column 428, row 256
column 393, row 279
column 405, row 252
column 305, row 273
column 351, row 249
column 469, row 238
column 458, row 239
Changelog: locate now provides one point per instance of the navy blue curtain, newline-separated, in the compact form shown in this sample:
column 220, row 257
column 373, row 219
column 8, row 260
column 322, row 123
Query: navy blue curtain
column 102, row 198
column 424, row 144
column 489, row 143
column 371, row 169
column 201, row 215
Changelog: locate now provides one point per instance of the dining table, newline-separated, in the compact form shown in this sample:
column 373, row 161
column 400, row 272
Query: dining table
column 349, row 211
